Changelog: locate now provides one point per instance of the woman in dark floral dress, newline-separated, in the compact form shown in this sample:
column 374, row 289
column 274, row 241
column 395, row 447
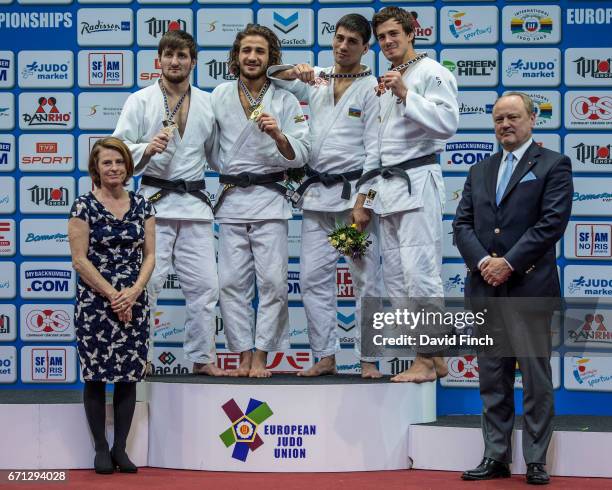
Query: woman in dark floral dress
column 112, row 240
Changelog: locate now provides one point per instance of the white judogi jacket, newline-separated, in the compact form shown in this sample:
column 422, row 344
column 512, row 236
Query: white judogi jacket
column 418, row 128
column 244, row 148
column 344, row 136
column 184, row 158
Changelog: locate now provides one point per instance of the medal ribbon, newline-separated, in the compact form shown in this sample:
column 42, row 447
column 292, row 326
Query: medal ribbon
column 328, row 76
column 169, row 115
column 255, row 102
column 381, row 86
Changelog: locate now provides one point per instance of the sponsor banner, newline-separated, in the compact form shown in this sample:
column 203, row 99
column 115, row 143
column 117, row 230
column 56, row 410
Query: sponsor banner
column 218, row 27
column 588, row 67
column 8, row 323
column 7, row 69
column 165, row 1
column 533, row 24
column 476, row 109
column 7, row 195
column 106, row 69
column 105, row 1
column 588, row 371
column 295, row 237
column 172, row 287
column 535, row 67
column 46, row 153
column 48, row 364
column 86, row 185
column 298, row 329
column 43, row 2
column 588, row 281
column 592, row 197
column 454, row 190
column 453, row 280
column 347, row 362
column 100, row 110
column 213, row 68
column 45, row 69
column 8, row 280
column 148, row 69
column 46, row 110
column 328, row 17
column 8, row 364
column 293, row 282
column 589, row 152
column 464, row 150
column 47, row 322
column 85, row 144
column 463, row 372
column 548, row 140
column 46, row 195
column 384, row 65
column 154, row 23
column 346, row 325
column 469, row 25
column 448, row 249
column 296, row 56
column 472, row 67
column 7, row 152
column 425, row 26
column 7, row 111
column 288, row 361
column 590, row 16
column 548, row 109
column 7, row 238
column 169, row 324
column 294, row 27
column 105, row 27
column 588, row 240
column 590, row 109
column 219, row 328
column 588, row 328
column 395, row 365
column 325, row 58
column 47, row 280
column 44, row 237
column 344, row 282
column 36, row 20
column 228, row 1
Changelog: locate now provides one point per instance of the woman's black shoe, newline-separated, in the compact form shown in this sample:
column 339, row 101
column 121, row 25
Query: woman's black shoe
column 103, row 463
column 120, row 460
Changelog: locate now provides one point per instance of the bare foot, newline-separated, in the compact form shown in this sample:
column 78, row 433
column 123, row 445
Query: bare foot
column 208, row 369
column 326, row 365
column 440, row 367
column 258, row 367
column 245, row 365
column 421, row 371
column 369, row 370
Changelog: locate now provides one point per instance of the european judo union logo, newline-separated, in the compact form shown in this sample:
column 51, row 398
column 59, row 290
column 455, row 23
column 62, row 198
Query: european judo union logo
column 243, row 432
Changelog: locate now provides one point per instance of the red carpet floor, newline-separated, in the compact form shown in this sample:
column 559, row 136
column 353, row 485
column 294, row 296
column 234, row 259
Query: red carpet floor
column 153, row 478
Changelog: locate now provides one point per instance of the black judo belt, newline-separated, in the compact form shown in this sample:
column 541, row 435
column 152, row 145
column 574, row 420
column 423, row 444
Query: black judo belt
column 180, row 186
column 247, row 179
column 398, row 170
column 327, row 180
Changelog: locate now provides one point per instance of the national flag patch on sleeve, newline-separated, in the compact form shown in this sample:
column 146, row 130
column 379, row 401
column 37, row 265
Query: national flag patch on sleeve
column 354, row 112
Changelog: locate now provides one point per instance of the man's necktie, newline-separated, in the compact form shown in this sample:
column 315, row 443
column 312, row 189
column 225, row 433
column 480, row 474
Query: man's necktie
column 505, row 178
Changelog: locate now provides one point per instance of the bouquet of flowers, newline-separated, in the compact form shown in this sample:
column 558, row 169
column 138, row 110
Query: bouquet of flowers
column 349, row 241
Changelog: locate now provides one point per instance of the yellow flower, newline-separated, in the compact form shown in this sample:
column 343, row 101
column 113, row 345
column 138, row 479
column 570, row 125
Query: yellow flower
column 334, row 243
column 342, row 237
column 349, row 241
column 354, row 225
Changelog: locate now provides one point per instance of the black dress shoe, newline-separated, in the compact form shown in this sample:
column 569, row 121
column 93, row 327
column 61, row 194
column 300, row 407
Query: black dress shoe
column 103, row 463
column 487, row 470
column 121, row 461
column 536, row 474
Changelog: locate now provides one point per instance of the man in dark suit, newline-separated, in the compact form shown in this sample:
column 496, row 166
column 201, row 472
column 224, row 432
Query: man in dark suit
column 515, row 207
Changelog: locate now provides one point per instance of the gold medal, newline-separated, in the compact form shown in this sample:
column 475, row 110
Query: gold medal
column 256, row 112
column 169, row 127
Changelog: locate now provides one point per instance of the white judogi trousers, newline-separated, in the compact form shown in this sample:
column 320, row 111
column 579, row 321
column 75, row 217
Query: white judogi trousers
column 411, row 248
column 253, row 254
column 318, row 261
column 189, row 246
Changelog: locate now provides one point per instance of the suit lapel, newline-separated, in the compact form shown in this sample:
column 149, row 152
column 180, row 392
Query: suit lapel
column 491, row 181
column 525, row 165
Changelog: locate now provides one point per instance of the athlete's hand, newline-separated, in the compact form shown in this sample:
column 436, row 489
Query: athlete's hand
column 158, row 144
column 304, row 73
column 268, row 125
column 393, row 81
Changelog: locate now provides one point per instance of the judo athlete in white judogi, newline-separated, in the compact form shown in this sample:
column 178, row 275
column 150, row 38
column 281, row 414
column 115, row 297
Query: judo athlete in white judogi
column 344, row 133
column 170, row 151
column 419, row 111
column 262, row 133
